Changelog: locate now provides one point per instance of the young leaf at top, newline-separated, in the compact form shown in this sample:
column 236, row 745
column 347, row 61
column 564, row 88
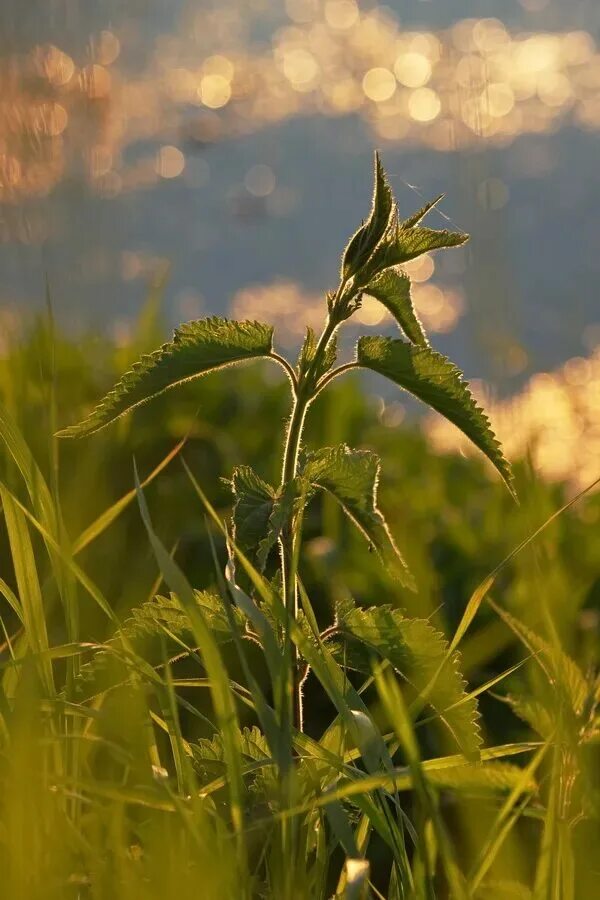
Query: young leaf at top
column 308, row 352
column 392, row 288
column 420, row 214
column 436, row 381
column 401, row 244
column 368, row 236
column 197, row 348
column 351, row 477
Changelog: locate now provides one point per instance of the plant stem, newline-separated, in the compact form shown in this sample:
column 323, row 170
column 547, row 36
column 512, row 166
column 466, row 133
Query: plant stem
column 305, row 393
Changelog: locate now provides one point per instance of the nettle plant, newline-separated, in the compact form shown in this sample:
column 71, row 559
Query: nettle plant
column 276, row 611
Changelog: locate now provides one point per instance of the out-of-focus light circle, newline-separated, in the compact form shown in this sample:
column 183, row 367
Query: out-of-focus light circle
column 301, row 10
column 300, row 67
column 499, row 99
column 214, row 91
column 95, row 81
column 379, row 84
column 341, row 14
column 219, row 65
column 53, row 64
column 371, row 311
column 260, row 180
column 107, row 49
column 170, row 162
column 412, row 69
column 424, row 105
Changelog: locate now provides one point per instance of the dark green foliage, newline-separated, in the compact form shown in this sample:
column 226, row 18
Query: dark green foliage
column 351, row 477
column 420, row 654
column 437, row 382
column 197, row 348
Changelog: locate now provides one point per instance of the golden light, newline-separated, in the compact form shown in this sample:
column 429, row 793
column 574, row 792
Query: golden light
column 95, row 81
column 214, row 91
column 55, row 118
column 554, row 89
column 379, row 84
column 107, row 48
column 412, row 69
column 170, row 162
column 424, row 105
column 420, row 269
column 53, row 64
column 341, row 14
column 371, row 311
column 300, row 67
column 499, row 99
column 219, row 65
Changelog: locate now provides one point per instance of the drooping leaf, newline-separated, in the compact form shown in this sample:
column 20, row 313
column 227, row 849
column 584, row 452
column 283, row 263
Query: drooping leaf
column 308, row 351
column 436, row 381
column 197, row 348
column 416, row 650
column 392, row 288
column 351, row 477
column 368, row 236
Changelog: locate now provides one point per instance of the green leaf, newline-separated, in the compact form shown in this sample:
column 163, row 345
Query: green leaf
column 436, row 381
column 368, row 236
column 564, row 675
column 209, row 754
column 285, row 506
column 421, row 213
column 392, row 288
column 416, row 650
column 197, row 348
column 494, row 777
column 307, row 355
column 254, row 500
column 261, row 513
column 351, row 477
column 402, row 244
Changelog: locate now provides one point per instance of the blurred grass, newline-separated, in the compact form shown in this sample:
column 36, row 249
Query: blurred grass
column 104, row 790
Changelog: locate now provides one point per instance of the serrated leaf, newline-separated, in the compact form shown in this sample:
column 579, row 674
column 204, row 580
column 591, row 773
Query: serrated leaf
column 436, row 381
column 401, row 245
column 285, row 506
column 307, row 355
column 368, row 236
column 416, row 650
column 153, row 619
column 392, row 289
column 533, row 712
column 563, row 673
column 480, row 777
column 421, row 213
column 351, row 476
column 208, row 754
column 254, row 500
column 197, row 348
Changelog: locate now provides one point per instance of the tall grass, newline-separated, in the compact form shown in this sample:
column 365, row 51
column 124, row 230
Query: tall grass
column 140, row 752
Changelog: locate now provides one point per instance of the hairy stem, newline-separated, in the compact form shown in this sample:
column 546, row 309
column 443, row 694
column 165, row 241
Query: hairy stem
column 305, row 393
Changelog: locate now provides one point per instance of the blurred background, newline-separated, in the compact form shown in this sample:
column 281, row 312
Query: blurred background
column 226, row 147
